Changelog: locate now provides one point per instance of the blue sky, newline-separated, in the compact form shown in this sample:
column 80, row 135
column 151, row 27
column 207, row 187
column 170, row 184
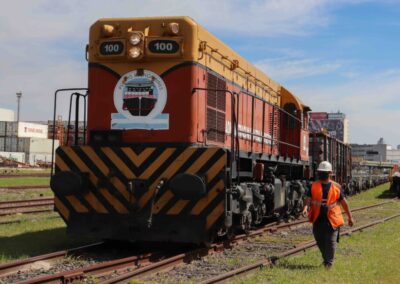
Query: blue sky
column 360, row 39
column 333, row 54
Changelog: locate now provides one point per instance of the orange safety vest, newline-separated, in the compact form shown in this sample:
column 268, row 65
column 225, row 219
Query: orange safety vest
column 332, row 202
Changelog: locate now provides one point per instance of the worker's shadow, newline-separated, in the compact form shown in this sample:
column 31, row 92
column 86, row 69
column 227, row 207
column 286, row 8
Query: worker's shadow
column 298, row 266
column 387, row 194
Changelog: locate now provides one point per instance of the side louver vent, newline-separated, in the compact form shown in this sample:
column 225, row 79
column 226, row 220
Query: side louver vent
column 216, row 104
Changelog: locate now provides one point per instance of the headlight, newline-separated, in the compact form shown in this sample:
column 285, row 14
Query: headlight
column 135, row 38
column 173, row 28
column 113, row 137
column 135, row 52
column 97, row 138
column 108, row 31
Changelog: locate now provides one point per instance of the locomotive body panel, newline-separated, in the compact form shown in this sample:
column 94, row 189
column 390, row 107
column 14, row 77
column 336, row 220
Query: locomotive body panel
column 189, row 124
column 180, row 126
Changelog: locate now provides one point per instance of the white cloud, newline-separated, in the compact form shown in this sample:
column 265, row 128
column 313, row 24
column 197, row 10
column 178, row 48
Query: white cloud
column 284, row 68
column 46, row 19
column 350, row 74
column 365, row 100
column 43, row 41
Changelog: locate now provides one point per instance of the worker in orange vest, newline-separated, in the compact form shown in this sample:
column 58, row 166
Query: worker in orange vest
column 323, row 210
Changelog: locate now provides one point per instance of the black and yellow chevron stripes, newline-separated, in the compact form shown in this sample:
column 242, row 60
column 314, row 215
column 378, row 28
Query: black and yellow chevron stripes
column 119, row 165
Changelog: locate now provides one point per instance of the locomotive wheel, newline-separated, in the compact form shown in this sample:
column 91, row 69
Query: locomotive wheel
column 298, row 208
column 247, row 223
column 230, row 235
column 257, row 216
column 211, row 238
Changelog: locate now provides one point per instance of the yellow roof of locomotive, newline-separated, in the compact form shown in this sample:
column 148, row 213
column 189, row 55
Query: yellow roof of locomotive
column 217, row 55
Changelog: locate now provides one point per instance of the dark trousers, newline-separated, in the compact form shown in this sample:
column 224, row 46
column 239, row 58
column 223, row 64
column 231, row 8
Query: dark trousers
column 326, row 238
column 396, row 185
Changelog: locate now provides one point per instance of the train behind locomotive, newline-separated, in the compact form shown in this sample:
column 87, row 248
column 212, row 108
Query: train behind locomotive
column 186, row 139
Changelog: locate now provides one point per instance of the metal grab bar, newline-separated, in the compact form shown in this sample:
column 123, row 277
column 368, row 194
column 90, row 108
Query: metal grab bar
column 77, row 98
column 54, row 118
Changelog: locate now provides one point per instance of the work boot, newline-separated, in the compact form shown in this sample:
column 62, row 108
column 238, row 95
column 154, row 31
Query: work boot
column 327, row 265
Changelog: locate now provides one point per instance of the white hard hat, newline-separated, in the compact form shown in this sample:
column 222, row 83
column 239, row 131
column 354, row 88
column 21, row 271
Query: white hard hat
column 324, row 166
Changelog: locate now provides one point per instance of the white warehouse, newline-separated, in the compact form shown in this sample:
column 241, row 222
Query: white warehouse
column 24, row 142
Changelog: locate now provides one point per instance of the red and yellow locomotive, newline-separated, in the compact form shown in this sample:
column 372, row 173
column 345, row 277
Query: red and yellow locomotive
column 186, row 139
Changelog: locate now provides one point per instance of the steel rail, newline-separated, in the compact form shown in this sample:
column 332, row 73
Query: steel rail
column 24, row 175
column 11, row 203
column 96, row 270
column 24, row 264
column 166, row 264
column 170, row 263
column 25, row 206
column 270, row 261
column 26, row 212
column 22, row 187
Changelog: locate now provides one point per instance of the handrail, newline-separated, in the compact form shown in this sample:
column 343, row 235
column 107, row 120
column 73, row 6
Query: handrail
column 271, row 139
column 234, row 65
column 77, row 98
column 54, row 118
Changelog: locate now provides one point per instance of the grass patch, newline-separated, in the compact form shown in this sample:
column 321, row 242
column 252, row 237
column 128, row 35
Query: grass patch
column 374, row 195
column 33, row 236
column 28, row 217
column 4, row 182
column 367, row 257
column 34, row 171
column 24, row 171
column 6, row 195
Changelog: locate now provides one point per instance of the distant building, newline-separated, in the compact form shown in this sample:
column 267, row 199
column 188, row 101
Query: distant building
column 380, row 152
column 7, row 115
column 336, row 124
column 393, row 155
column 382, row 141
column 26, row 142
column 369, row 152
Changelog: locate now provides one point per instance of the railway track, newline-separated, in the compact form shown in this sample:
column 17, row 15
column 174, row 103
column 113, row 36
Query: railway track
column 169, row 264
column 19, row 266
column 27, row 206
column 141, row 265
column 11, row 272
column 270, row 261
column 23, row 187
column 12, row 175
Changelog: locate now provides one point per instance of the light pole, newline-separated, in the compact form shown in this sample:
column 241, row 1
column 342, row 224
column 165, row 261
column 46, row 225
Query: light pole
column 19, row 95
